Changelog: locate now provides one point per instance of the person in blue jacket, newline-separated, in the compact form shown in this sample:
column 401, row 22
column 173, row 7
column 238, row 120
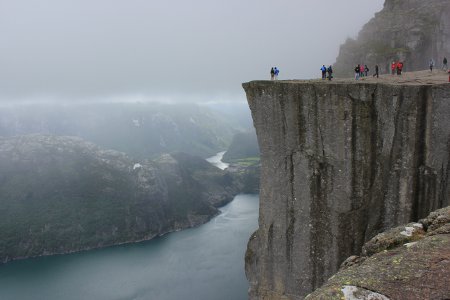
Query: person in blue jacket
column 324, row 72
column 276, row 73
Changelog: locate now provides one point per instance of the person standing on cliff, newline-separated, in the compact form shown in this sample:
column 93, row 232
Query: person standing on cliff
column 376, row 71
column 276, row 73
column 393, row 67
column 272, row 74
column 330, row 72
column 399, row 68
column 431, row 64
column 324, row 72
column 357, row 72
column 444, row 64
column 366, row 70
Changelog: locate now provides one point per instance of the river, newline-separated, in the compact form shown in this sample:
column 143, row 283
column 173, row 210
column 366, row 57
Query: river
column 203, row 263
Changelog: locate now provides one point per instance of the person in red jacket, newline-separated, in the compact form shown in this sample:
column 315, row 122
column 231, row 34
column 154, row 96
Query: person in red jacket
column 393, row 67
column 400, row 68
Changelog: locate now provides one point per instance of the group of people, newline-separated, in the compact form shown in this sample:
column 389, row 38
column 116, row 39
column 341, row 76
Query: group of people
column 444, row 64
column 396, row 67
column 361, row 70
column 326, row 70
column 274, row 73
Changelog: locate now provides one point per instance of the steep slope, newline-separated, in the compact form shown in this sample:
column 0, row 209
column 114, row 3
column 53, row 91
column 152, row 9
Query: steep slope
column 412, row 31
column 341, row 161
column 62, row 194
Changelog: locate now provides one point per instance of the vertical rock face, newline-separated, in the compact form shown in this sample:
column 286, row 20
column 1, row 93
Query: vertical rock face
column 340, row 162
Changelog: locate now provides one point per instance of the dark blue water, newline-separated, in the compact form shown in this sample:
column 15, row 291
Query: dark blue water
column 203, row 263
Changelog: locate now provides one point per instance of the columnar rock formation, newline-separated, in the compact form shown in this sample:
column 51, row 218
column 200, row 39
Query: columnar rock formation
column 341, row 161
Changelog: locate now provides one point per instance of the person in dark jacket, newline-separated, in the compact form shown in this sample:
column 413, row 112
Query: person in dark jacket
column 272, row 74
column 444, row 64
column 376, row 71
column 330, row 72
column 357, row 72
column 366, row 70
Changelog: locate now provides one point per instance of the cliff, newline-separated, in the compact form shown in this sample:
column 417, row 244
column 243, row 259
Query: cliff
column 341, row 162
column 413, row 31
column 63, row 194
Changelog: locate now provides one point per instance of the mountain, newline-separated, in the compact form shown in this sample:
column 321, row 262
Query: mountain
column 142, row 130
column 63, row 194
column 243, row 145
column 412, row 31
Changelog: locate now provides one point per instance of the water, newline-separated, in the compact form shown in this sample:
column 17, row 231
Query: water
column 203, row 263
column 216, row 160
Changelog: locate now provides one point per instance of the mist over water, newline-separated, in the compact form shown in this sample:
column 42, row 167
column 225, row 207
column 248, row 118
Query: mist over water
column 201, row 263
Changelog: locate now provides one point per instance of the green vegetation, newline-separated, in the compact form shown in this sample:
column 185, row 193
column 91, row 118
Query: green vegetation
column 243, row 145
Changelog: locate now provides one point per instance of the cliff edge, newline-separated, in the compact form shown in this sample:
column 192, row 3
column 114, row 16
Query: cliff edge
column 341, row 162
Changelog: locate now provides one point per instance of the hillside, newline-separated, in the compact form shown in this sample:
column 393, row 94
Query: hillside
column 142, row 130
column 412, row 31
column 63, row 194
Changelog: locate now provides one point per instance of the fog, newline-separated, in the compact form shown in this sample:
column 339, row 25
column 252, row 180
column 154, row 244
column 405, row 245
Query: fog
column 176, row 50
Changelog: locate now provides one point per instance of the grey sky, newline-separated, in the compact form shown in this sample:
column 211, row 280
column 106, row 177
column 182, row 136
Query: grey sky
column 172, row 49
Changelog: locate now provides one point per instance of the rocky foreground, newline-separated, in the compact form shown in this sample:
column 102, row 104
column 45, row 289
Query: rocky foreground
column 410, row 262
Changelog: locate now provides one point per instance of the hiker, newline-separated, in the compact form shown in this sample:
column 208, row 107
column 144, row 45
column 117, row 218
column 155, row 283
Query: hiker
column 399, row 68
column 361, row 70
column 357, row 72
column 324, row 72
column 376, row 71
column 366, row 70
column 431, row 65
column 330, row 73
column 276, row 73
column 393, row 67
column 444, row 64
column 272, row 74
